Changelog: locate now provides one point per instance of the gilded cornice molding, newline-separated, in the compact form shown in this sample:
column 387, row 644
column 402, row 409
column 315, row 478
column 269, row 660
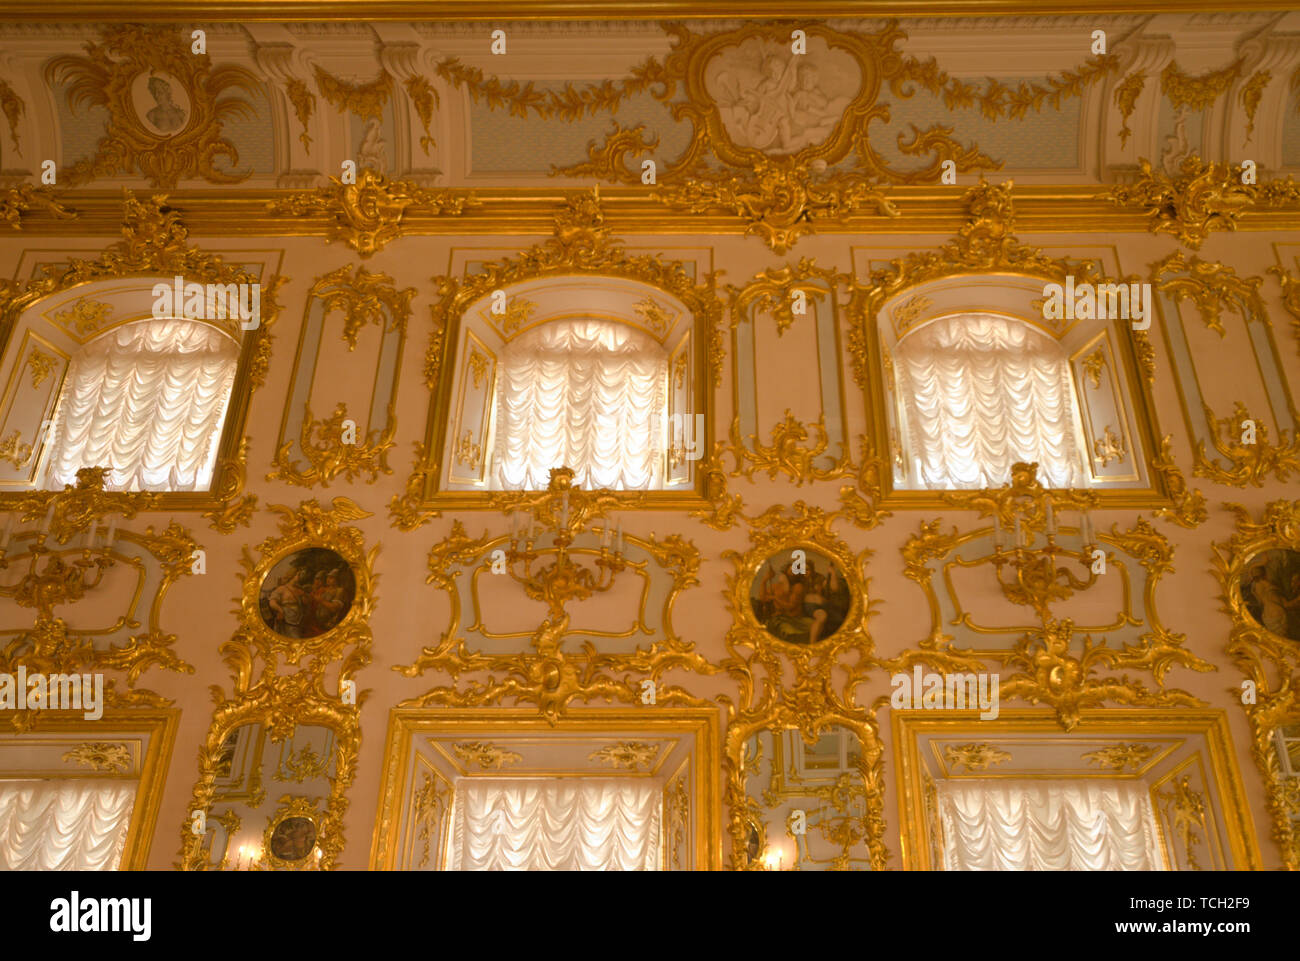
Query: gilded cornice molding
column 17, row 199
column 924, row 209
column 334, row 11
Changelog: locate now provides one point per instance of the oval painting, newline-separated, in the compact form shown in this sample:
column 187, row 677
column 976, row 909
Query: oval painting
column 800, row 599
column 307, row 593
column 1270, row 587
column 773, row 100
column 293, row 838
column 161, row 104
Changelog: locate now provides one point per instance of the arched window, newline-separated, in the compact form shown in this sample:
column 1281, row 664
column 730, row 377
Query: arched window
column 147, row 400
column 587, row 394
column 603, row 375
column 980, row 392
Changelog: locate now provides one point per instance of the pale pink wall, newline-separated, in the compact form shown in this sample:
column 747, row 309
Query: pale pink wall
column 411, row 614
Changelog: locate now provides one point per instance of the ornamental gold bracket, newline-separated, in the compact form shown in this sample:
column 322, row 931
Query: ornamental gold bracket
column 367, row 215
column 365, row 299
column 550, row 676
column 404, row 509
column 1050, row 673
column 787, row 454
column 1022, row 501
column 1251, row 463
column 331, row 449
column 1269, row 658
column 779, row 202
column 1200, row 199
column 1188, row 506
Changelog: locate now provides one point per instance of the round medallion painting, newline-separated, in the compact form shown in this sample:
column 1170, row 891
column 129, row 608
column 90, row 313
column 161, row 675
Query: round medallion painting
column 1270, row 587
column 307, row 593
column 800, row 596
column 161, row 103
column 293, row 838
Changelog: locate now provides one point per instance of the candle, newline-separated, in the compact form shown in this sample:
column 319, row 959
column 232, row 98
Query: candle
column 1020, row 541
column 1051, row 518
column 532, row 528
column 1089, row 535
column 619, row 548
column 49, row 519
column 112, row 533
column 997, row 533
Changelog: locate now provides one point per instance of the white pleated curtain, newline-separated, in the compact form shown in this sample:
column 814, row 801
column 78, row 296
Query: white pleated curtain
column 1075, row 825
column 147, row 400
column 578, row 824
column 586, row 394
column 68, row 825
column 981, row 392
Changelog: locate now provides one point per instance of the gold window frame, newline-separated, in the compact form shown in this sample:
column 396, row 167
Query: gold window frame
column 986, row 246
column 157, row 727
column 395, row 822
column 1210, row 724
column 579, row 248
column 154, row 248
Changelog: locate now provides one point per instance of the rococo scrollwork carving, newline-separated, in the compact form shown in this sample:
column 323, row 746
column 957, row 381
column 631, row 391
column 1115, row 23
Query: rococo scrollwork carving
column 1200, row 199
column 165, row 144
column 56, row 571
column 288, row 676
column 1048, row 664
column 1251, row 569
column 580, row 561
column 782, row 174
column 367, row 215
